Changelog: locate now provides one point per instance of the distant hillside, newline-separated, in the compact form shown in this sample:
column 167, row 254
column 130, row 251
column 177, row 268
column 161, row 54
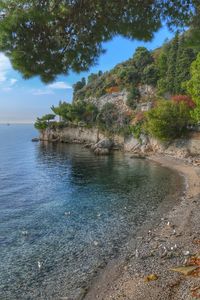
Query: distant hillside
column 165, row 69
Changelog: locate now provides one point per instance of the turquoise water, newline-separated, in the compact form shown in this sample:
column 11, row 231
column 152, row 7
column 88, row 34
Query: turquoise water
column 65, row 212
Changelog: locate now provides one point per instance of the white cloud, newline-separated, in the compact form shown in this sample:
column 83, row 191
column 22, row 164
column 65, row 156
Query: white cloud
column 7, row 89
column 5, row 66
column 39, row 92
column 13, row 81
column 59, row 85
column 49, row 89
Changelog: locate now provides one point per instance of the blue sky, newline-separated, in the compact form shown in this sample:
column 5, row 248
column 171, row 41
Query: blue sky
column 21, row 101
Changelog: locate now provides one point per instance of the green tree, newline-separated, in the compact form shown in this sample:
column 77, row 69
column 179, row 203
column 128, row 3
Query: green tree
column 100, row 73
column 193, row 39
column 162, row 66
column 185, row 57
column 63, row 110
column 48, row 38
column 90, row 114
column 48, row 118
column 168, row 120
column 142, row 57
column 43, row 122
column 79, row 85
column 172, row 64
column 162, row 63
column 193, row 87
column 150, row 75
column 92, row 77
column 133, row 97
column 40, row 125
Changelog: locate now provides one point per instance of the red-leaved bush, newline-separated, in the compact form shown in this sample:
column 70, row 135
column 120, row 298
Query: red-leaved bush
column 113, row 89
column 185, row 99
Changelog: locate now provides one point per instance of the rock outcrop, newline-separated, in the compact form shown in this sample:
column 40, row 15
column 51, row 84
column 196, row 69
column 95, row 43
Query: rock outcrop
column 72, row 134
column 91, row 138
column 103, row 147
column 186, row 148
column 119, row 99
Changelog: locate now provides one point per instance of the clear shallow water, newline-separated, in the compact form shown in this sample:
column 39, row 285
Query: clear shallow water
column 69, row 210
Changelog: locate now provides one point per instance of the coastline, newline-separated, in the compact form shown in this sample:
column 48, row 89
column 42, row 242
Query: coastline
column 164, row 242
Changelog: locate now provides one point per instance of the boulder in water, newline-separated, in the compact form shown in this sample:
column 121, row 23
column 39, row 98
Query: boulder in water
column 103, row 147
column 35, row 140
column 105, row 144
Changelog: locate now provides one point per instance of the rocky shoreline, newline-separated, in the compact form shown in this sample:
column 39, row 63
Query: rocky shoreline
column 100, row 143
column 163, row 244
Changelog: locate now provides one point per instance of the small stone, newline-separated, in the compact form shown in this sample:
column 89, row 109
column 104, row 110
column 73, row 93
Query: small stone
column 136, row 253
column 24, row 232
column 39, row 265
column 186, row 253
column 151, row 277
column 67, row 213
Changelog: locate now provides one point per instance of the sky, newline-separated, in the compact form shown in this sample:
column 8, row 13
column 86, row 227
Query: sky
column 22, row 101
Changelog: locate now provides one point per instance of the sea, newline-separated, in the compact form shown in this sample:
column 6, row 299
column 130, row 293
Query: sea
column 65, row 212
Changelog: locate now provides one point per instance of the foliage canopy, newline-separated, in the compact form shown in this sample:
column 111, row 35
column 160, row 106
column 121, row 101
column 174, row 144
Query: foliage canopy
column 50, row 37
column 168, row 120
column 193, row 87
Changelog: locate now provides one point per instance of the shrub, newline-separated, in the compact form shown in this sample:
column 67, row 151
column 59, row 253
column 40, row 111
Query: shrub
column 57, row 125
column 168, row 120
column 77, row 111
column 44, row 122
column 40, row 124
column 185, row 99
column 113, row 89
column 137, row 130
column 133, row 98
column 137, row 125
column 63, row 110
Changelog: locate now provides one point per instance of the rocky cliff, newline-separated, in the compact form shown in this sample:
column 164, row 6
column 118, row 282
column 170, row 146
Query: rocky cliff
column 147, row 94
column 101, row 143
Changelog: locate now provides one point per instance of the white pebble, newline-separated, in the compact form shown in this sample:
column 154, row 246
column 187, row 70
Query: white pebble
column 136, row 253
column 186, row 253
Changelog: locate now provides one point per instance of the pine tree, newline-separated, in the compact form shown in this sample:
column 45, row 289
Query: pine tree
column 185, row 57
column 193, row 87
column 172, row 64
column 47, row 38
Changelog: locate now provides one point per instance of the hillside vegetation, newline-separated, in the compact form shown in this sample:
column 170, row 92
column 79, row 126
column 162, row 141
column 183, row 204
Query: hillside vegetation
column 165, row 68
column 172, row 70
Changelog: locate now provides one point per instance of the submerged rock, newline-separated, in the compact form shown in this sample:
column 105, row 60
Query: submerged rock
column 138, row 155
column 35, row 140
column 101, row 151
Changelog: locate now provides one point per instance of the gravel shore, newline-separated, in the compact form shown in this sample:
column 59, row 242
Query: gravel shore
column 165, row 242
